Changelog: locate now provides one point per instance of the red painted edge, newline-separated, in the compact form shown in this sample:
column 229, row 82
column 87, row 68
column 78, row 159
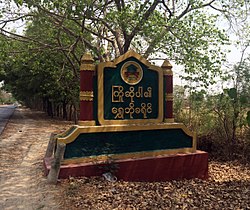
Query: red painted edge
column 169, row 109
column 86, row 110
column 162, row 168
column 86, row 80
column 169, row 83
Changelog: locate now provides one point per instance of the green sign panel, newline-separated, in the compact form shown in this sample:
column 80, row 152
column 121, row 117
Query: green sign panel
column 130, row 91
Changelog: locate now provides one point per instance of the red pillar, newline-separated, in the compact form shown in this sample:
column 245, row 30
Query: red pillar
column 168, row 95
column 87, row 71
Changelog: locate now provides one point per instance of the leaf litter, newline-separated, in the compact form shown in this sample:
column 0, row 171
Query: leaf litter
column 228, row 187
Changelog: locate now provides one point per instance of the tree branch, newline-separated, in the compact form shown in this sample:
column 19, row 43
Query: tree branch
column 22, row 38
column 188, row 9
column 118, row 5
column 217, row 9
column 65, row 54
column 138, row 27
column 116, row 33
column 166, row 6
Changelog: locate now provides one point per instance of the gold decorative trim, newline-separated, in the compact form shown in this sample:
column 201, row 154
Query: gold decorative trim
column 87, row 62
column 169, row 120
column 86, row 95
column 113, row 128
column 135, row 155
column 86, row 123
column 82, row 98
column 167, row 72
column 195, row 141
column 87, row 67
column 169, row 97
column 87, row 57
column 64, row 133
column 133, row 80
column 166, row 64
column 132, row 53
column 100, row 69
column 167, row 68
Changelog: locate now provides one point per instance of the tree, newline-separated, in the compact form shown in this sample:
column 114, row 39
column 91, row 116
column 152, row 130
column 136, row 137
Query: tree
column 40, row 79
column 182, row 30
column 58, row 32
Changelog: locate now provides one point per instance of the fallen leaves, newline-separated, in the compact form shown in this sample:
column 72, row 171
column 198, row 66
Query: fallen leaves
column 227, row 188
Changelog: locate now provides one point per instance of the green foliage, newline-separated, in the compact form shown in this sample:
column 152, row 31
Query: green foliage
column 248, row 118
column 232, row 93
column 222, row 121
column 182, row 31
column 6, row 98
column 35, row 76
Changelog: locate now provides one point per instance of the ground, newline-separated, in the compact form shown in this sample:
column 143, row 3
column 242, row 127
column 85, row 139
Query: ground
column 22, row 147
column 23, row 184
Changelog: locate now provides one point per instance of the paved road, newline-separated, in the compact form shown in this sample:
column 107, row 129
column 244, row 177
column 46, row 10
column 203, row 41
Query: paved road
column 5, row 113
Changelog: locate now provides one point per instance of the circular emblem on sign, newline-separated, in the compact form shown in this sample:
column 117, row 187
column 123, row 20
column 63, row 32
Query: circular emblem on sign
column 131, row 73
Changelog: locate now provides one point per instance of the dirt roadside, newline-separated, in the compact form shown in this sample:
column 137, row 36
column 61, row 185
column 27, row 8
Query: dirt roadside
column 23, row 185
column 22, row 146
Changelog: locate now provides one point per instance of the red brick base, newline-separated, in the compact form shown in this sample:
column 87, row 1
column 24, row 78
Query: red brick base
column 162, row 168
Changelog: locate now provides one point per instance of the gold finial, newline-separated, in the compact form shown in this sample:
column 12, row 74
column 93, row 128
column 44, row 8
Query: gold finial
column 166, row 64
column 87, row 57
column 167, row 68
column 87, row 62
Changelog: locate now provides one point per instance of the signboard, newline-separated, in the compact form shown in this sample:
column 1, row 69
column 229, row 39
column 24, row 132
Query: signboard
column 130, row 91
column 126, row 119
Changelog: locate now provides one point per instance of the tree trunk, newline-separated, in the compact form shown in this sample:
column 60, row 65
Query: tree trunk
column 64, row 110
column 56, row 163
column 44, row 104
column 50, row 109
column 51, row 146
column 75, row 115
column 71, row 112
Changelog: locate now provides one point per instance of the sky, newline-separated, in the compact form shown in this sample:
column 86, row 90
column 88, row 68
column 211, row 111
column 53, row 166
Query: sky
column 233, row 56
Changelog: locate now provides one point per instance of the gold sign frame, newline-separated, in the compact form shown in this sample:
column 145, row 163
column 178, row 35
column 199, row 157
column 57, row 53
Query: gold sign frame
column 100, row 81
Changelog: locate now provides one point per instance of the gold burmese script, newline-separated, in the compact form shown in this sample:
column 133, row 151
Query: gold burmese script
column 119, row 95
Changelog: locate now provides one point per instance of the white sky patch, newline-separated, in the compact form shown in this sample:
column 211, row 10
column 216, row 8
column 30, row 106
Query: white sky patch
column 12, row 12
